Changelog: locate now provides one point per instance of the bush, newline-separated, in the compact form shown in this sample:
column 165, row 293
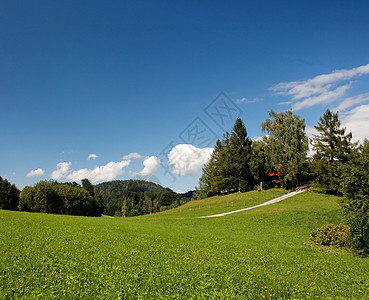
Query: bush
column 330, row 235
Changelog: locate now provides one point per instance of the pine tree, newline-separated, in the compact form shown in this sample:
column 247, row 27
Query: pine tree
column 241, row 151
column 332, row 149
column 228, row 169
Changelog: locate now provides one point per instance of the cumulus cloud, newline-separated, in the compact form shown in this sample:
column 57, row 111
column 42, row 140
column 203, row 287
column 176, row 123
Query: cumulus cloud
column 62, row 169
column 110, row 171
column 188, row 160
column 35, row 173
column 132, row 155
column 107, row 172
column 322, row 89
column 151, row 165
column 357, row 121
column 92, row 156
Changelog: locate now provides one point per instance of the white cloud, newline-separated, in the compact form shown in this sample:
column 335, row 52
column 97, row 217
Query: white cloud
column 110, row 171
column 321, row 89
column 107, row 172
column 62, row 169
column 324, row 98
column 258, row 138
column 132, row 155
column 34, row 173
column 92, row 156
column 247, row 101
column 310, row 131
column 151, row 165
column 349, row 102
column 357, row 121
column 188, row 160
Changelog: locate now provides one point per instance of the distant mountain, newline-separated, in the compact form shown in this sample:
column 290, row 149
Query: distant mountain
column 112, row 190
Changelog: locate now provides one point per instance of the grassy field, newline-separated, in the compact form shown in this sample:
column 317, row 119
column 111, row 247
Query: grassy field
column 255, row 254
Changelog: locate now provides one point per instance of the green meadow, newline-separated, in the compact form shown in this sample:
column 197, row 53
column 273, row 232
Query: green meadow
column 256, row 254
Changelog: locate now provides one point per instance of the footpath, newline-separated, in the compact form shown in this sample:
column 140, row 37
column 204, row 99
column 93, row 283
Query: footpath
column 275, row 200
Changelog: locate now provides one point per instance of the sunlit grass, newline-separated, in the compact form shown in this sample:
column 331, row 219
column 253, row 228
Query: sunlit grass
column 255, row 254
column 221, row 204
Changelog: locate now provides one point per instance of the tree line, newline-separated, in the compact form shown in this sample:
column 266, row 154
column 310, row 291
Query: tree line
column 125, row 198
column 238, row 163
column 62, row 198
column 147, row 202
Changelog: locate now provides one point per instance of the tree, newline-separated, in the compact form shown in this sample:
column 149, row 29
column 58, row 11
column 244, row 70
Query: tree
column 258, row 163
column 355, row 188
column 228, row 169
column 46, row 199
column 332, row 149
column 62, row 198
column 9, row 195
column 215, row 177
column 286, row 146
column 241, row 152
column 88, row 186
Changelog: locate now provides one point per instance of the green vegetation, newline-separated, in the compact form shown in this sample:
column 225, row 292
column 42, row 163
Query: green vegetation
column 146, row 203
column 228, row 169
column 237, row 163
column 9, row 195
column 62, row 198
column 248, row 255
column 333, row 148
column 286, row 146
column 114, row 190
column 355, row 188
column 331, row 235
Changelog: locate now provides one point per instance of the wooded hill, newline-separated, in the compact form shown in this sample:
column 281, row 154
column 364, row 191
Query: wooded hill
column 113, row 190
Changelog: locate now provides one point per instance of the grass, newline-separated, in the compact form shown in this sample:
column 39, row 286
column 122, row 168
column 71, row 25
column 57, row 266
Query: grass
column 255, row 254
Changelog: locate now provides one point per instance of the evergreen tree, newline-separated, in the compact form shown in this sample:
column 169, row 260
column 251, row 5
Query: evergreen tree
column 241, row 151
column 333, row 148
column 88, row 186
column 228, row 169
column 287, row 145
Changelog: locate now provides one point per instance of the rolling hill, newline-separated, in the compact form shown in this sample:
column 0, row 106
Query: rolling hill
column 255, row 254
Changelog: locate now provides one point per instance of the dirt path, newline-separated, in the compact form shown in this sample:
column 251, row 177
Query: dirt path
column 275, row 200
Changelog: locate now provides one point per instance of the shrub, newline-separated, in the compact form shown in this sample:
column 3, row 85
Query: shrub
column 331, row 235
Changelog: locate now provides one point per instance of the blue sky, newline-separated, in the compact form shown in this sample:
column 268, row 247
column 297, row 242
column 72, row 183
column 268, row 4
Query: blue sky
column 131, row 81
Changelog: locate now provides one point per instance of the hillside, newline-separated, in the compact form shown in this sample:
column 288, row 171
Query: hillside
column 112, row 190
column 254, row 254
